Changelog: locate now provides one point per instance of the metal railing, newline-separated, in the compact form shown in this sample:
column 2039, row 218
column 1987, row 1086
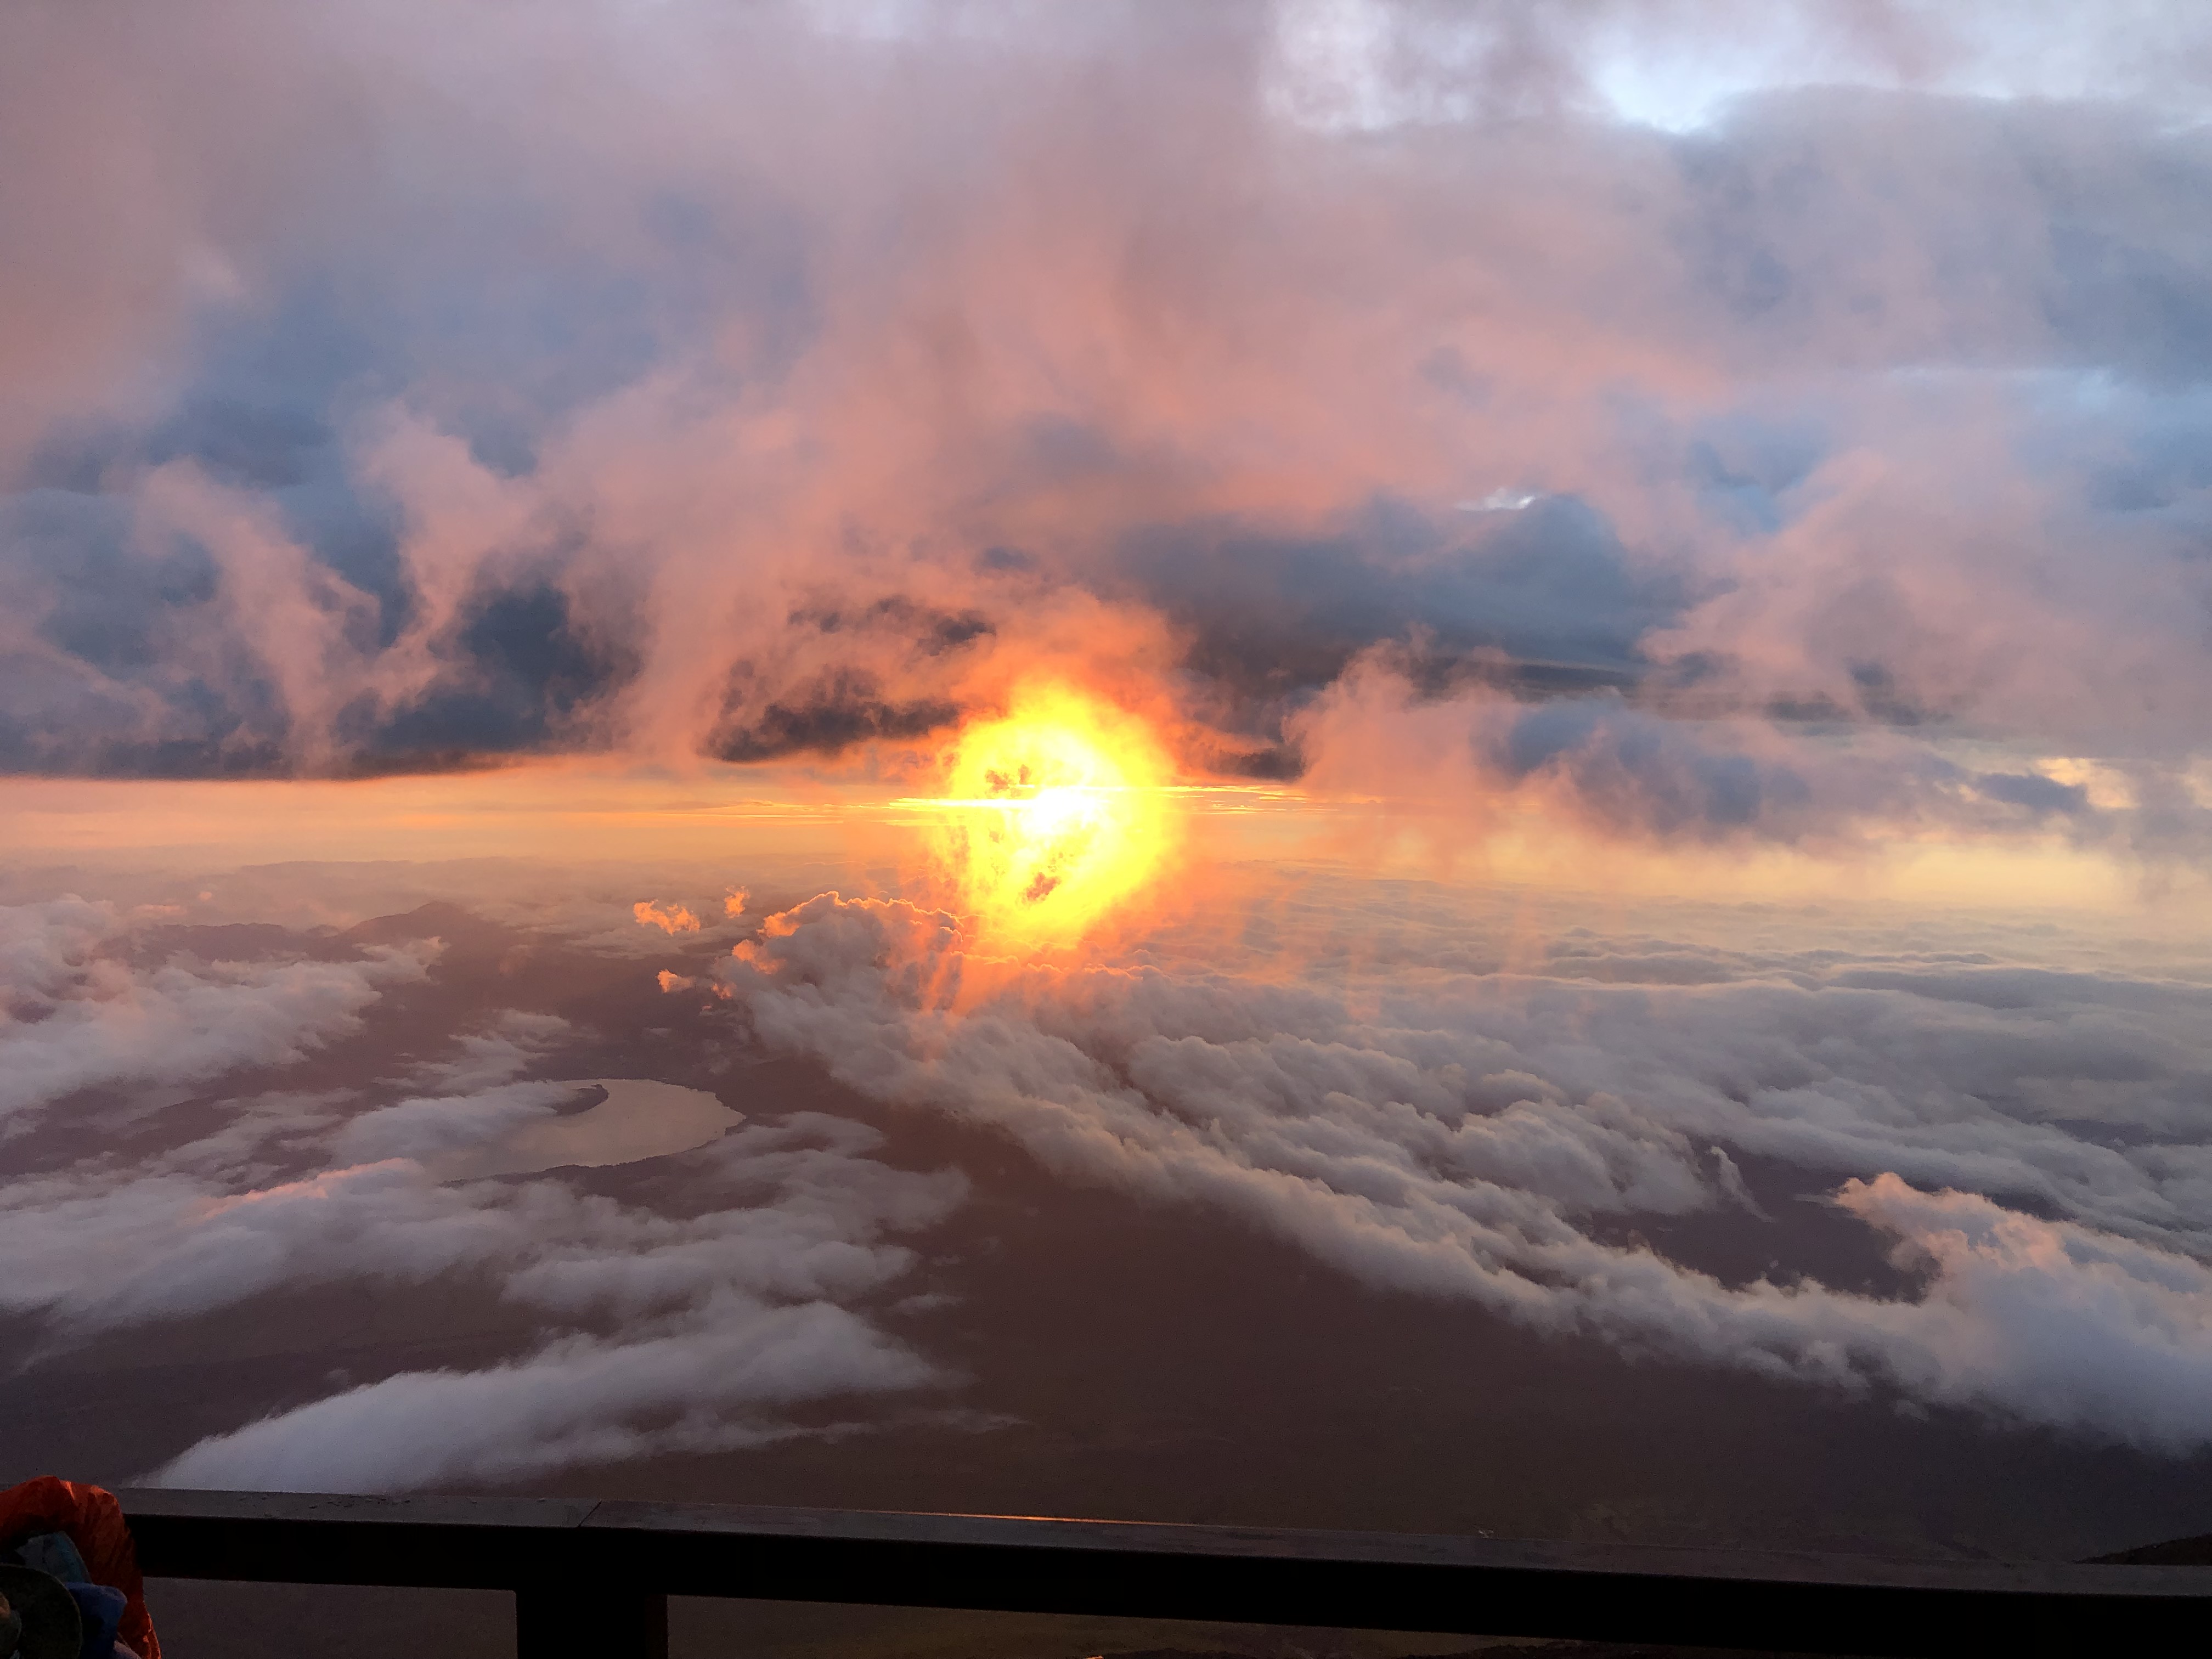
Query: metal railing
column 547, row 1552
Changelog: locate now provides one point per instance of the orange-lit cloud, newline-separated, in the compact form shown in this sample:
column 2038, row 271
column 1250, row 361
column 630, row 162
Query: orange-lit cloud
column 1801, row 458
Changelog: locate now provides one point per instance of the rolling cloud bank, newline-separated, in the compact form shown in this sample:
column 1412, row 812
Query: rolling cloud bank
column 1469, row 1136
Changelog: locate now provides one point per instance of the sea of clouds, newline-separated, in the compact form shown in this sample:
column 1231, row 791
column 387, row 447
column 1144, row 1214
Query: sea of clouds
column 2031, row 1141
column 658, row 1329
column 2013, row 1119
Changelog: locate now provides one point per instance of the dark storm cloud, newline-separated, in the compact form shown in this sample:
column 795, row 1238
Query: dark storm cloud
column 2032, row 791
column 1648, row 772
column 1543, row 597
column 523, row 670
column 839, row 710
column 770, row 712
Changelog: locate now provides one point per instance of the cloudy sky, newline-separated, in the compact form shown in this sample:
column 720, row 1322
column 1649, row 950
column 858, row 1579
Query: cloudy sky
column 1548, row 660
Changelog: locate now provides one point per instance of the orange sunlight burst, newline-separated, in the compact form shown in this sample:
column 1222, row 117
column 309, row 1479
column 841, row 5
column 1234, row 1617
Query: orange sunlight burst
column 1057, row 814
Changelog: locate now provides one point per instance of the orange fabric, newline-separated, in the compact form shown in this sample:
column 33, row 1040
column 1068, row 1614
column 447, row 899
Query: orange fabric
column 94, row 1522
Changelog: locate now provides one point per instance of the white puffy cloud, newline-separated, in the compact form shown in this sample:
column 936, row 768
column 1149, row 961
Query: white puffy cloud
column 658, row 1331
column 717, row 1320
column 493, row 1056
column 581, row 1400
column 470, row 1097
column 2051, row 1319
column 92, row 1251
column 1469, row 1135
column 80, row 1015
column 429, row 1127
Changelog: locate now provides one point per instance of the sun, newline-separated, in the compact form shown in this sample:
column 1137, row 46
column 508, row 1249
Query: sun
column 1057, row 814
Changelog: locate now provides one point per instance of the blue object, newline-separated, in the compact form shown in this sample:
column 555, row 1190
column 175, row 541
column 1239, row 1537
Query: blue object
column 53, row 1553
column 102, row 1609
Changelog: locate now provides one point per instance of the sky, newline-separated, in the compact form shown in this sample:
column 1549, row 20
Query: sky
column 1551, row 657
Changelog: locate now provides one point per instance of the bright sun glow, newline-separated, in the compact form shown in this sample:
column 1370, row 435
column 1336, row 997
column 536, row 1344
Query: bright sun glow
column 1057, row 814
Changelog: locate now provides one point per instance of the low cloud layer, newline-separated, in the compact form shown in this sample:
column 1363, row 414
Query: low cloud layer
column 662, row 1332
column 679, row 1326
column 718, row 1323
column 90, row 1003
column 2025, row 1142
column 580, row 1400
column 1736, row 455
column 1921, row 1159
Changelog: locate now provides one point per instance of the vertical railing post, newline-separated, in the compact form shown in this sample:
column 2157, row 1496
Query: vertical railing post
column 580, row 1619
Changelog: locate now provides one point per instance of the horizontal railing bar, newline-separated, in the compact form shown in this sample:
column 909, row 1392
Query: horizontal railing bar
column 1374, row 1581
